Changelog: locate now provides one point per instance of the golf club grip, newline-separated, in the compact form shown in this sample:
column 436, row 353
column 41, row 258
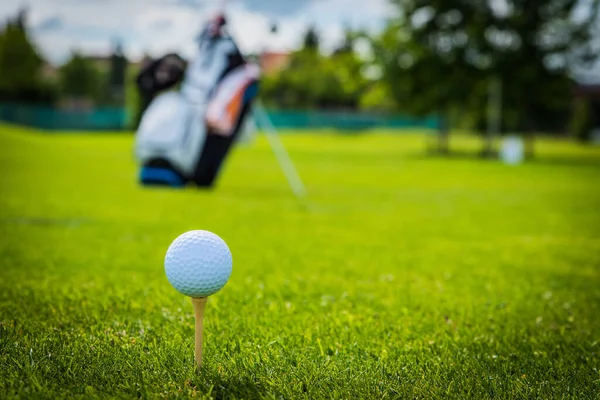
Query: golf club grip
column 199, row 304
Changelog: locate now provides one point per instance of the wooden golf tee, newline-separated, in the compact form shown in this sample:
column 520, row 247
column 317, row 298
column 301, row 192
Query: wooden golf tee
column 199, row 304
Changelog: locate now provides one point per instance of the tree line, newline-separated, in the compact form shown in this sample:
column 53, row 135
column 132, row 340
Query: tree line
column 24, row 81
column 442, row 57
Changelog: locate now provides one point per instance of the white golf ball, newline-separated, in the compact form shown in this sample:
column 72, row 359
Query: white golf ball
column 198, row 263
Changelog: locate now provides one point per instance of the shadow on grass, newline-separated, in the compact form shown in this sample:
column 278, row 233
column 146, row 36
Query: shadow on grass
column 239, row 387
column 476, row 155
column 567, row 161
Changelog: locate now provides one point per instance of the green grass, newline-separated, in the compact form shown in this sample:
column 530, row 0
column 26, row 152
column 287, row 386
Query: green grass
column 404, row 276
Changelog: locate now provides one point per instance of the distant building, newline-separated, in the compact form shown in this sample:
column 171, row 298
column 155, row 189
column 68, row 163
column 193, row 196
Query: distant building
column 49, row 72
column 273, row 62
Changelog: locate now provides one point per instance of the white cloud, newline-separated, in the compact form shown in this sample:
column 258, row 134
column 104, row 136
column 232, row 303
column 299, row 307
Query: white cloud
column 159, row 26
column 69, row 44
column 252, row 31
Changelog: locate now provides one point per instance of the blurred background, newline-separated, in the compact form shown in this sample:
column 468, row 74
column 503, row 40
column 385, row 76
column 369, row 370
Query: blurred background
column 416, row 264
column 490, row 68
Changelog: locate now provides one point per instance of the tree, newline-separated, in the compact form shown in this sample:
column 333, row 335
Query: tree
column 311, row 39
column 116, row 77
column 347, row 45
column 20, row 65
column 377, row 97
column 420, row 80
column 80, row 78
column 134, row 102
column 313, row 80
column 347, row 68
column 442, row 55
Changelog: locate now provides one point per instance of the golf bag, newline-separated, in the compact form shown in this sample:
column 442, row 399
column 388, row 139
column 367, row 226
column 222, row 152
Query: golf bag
column 185, row 134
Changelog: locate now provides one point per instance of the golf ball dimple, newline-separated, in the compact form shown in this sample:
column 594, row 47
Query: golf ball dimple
column 198, row 263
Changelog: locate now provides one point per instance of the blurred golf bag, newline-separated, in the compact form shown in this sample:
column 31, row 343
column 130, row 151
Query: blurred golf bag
column 184, row 135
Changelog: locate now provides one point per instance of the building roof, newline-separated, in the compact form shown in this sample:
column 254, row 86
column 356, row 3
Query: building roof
column 273, row 61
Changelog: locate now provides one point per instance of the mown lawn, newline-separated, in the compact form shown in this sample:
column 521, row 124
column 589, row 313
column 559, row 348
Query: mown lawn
column 400, row 276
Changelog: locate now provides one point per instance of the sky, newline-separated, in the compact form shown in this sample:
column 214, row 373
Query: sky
column 159, row 26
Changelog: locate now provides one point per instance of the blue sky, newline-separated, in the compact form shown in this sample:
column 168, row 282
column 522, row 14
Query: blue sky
column 158, row 26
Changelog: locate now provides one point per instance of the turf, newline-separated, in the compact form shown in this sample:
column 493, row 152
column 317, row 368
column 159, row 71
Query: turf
column 401, row 275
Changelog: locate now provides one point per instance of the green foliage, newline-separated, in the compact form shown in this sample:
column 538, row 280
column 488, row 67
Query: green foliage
column 441, row 54
column 404, row 277
column 133, row 100
column 378, row 97
column 80, row 78
column 348, row 43
column 118, row 68
column 311, row 39
column 581, row 121
column 115, row 89
column 313, row 80
column 20, row 66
